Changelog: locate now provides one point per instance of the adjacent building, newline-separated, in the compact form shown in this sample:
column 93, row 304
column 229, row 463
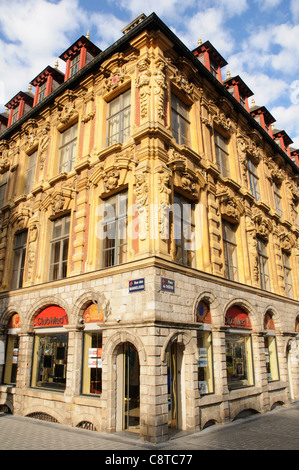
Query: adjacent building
column 149, row 242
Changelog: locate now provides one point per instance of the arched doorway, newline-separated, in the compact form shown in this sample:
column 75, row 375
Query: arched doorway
column 128, row 388
column 175, row 386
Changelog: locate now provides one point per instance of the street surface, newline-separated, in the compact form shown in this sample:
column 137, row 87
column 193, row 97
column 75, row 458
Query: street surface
column 275, row 430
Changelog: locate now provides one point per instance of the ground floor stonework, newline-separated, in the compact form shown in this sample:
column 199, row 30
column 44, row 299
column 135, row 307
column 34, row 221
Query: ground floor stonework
column 149, row 347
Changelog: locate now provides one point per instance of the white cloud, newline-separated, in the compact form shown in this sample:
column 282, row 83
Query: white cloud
column 266, row 5
column 35, row 32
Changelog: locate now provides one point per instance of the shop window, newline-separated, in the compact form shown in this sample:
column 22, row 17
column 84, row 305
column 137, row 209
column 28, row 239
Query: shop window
column 263, row 264
column 12, row 350
column 287, row 274
column 119, row 119
column 222, row 156
column 92, row 351
column 59, row 248
column 114, row 230
column 239, row 363
column 204, row 344
column 230, row 251
column 67, row 149
column 30, row 173
column 3, row 186
column 180, row 121
column 18, row 260
column 253, row 180
column 50, row 349
column 184, row 231
column 271, row 349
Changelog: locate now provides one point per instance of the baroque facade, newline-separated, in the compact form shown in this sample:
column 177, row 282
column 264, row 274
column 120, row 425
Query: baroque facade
column 149, row 242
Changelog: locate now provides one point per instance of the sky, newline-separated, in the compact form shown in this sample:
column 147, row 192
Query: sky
column 258, row 39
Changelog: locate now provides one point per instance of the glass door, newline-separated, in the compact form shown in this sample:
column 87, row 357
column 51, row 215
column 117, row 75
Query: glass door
column 131, row 389
column 172, row 387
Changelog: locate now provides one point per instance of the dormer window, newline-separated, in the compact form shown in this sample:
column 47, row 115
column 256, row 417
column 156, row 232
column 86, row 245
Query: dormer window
column 236, row 87
column 45, row 82
column 15, row 115
column 74, row 65
column 210, row 57
column 78, row 55
column 42, row 91
column 19, row 105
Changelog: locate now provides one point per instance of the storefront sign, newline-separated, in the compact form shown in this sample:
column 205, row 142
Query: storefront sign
column 51, row 316
column 14, row 321
column 93, row 314
column 236, row 317
column 136, row 285
column 167, row 285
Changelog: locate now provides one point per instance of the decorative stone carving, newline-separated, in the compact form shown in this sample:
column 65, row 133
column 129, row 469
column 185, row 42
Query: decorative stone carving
column 141, row 193
column 159, row 79
column 110, row 180
column 115, row 79
column 182, row 82
column 143, row 84
column 230, row 205
column 164, row 204
column 287, row 241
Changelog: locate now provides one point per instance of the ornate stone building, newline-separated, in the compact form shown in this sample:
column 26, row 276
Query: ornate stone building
column 149, row 242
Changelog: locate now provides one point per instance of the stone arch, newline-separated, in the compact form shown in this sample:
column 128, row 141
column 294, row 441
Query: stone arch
column 180, row 337
column 274, row 314
column 7, row 314
column 247, row 307
column 215, row 308
column 88, row 298
column 121, row 337
column 40, row 305
column 44, row 409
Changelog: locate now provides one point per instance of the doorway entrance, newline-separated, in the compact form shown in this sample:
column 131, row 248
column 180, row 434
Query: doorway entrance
column 175, row 387
column 131, row 388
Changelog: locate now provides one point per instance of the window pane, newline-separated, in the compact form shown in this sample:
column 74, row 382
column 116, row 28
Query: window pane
column 119, row 119
column 92, row 363
column 50, row 361
column 238, row 361
column 205, row 365
column 67, row 151
column 114, row 230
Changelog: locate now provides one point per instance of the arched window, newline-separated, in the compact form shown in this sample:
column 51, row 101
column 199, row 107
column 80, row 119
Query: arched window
column 50, row 349
column 204, row 344
column 92, row 350
column 12, row 350
column 271, row 348
column 239, row 363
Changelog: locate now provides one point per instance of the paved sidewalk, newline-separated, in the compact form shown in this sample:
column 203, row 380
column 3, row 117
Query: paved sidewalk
column 275, row 430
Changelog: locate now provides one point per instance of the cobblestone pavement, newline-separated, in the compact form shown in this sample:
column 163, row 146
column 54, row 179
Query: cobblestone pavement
column 275, row 430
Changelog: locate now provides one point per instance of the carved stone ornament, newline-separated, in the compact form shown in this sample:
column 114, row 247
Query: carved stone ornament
column 159, row 85
column 263, row 225
column 230, row 205
column 66, row 107
column 4, row 160
column 141, row 194
column 59, row 200
column 110, row 180
column 115, row 79
column 182, row 82
column 142, row 83
column 164, row 203
column 287, row 241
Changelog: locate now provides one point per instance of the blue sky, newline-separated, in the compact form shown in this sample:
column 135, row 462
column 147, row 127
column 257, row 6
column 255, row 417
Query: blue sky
column 258, row 39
